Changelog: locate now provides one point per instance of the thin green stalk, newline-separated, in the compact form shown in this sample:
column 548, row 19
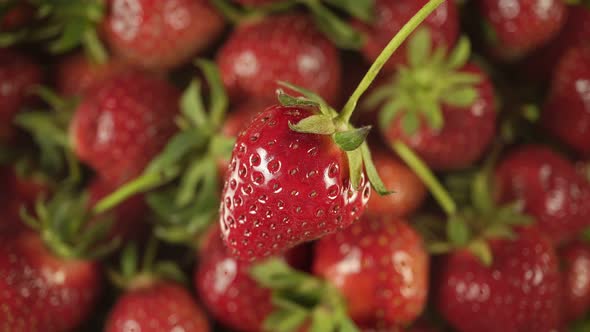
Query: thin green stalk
column 441, row 195
column 387, row 52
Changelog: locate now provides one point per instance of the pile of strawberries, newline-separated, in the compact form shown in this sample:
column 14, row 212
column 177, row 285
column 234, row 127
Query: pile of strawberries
column 295, row 165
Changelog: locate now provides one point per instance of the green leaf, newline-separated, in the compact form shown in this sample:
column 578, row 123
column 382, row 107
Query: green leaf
column 199, row 169
column 460, row 54
column 461, row 97
column 347, row 325
column 335, row 28
column 355, row 165
column 171, row 271
column 390, row 110
column 178, row 148
column 439, row 248
column 419, row 46
column 481, row 193
column 219, row 99
column 433, row 114
column 322, row 321
column 284, row 321
column 315, row 124
column 410, row 123
column 129, row 261
column 499, row 231
column 364, row 10
column 275, row 274
column 290, row 101
column 191, row 105
column 458, row 231
column 71, row 36
column 482, row 251
column 351, row 139
column 304, row 92
column 372, row 173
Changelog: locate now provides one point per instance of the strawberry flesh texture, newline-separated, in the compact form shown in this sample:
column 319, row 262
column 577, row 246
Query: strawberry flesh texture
column 123, row 123
column 160, row 34
column 575, row 264
column 566, row 114
column 549, row 189
column 465, row 135
column 443, row 25
column 520, row 291
column 284, row 188
column 380, row 266
column 40, row 292
column 163, row 306
column 282, row 47
column 521, row 26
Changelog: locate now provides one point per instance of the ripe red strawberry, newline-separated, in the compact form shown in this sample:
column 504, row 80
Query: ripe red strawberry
column 76, row 74
column 160, row 34
column 575, row 265
column 380, row 266
column 41, row 292
column 18, row 75
column 515, row 28
column 548, row 188
column 566, row 114
column 123, row 123
column 274, row 198
column 520, row 291
column 409, row 194
column 281, row 47
column 154, row 307
column 443, row 25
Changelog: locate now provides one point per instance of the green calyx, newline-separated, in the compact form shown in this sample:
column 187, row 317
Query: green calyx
column 300, row 298
column 429, row 80
column 183, row 178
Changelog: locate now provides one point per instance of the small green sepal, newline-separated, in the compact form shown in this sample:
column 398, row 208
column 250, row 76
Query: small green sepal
column 316, row 124
column 351, row 139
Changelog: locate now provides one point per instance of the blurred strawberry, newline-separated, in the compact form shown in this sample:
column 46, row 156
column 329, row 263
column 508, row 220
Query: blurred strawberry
column 575, row 267
column 18, row 15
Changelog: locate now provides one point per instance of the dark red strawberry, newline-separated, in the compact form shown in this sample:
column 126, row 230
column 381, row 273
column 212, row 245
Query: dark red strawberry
column 409, row 194
column 549, row 189
column 443, row 25
column 515, row 28
column 380, row 266
column 17, row 16
column 155, row 307
column 575, row 265
column 566, row 114
column 160, row 34
column 519, row 291
column 42, row 292
column 274, row 198
column 123, row 123
column 76, row 74
column 281, row 47
column 18, row 75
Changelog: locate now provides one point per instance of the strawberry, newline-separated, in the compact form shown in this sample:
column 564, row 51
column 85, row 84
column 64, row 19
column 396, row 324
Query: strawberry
column 123, row 123
column 43, row 292
column 442, row 108
column 273, row 199
column 519, row 291
column 281, row 47
column 18, row 75
column 575, row 265
column 18, row 15
column 443, row 26
column 77, row 73
column 410, row 192
column 380, row 266
column 160, row 35
column 548, row 188
column 514, row 29
column 566, row 114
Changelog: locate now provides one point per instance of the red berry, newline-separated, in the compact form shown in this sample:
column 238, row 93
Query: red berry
column 520, row 291
column 163, row 306
column 549, row 189
column 281, row 47
column 575, row 265
column 275, row 198
column 160, row 34
column 123, row 123
column 380, row 266
column 17, row 17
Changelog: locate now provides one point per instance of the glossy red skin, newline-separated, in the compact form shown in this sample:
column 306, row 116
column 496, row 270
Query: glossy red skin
column 77, row 74
column 466, row 134
column 128, row 218
column 443, row 25
column 18, row 74
column 575, row 266
column 566, row 114
column 160, row 34
column 164, row 306
column 380, row 266
column 226, row 289
column 409, row 193
column 40, row 292
column 549, row 189
column 521, row 26
column 280, row 47
column 123, row 123
column 274, row 198
column 520, row 291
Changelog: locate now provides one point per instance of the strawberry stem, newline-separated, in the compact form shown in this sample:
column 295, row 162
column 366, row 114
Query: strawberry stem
column 441, row 195
column 387, row 52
